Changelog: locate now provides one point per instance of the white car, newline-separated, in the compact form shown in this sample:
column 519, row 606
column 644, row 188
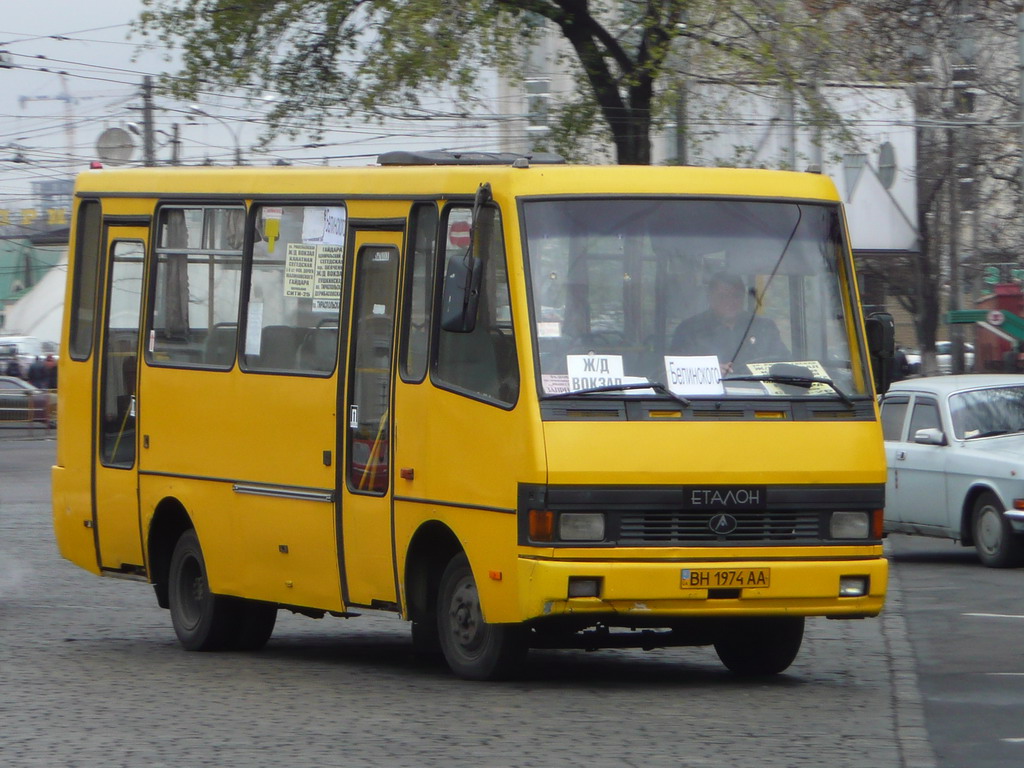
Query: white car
column 944, row 357
column 955, row 451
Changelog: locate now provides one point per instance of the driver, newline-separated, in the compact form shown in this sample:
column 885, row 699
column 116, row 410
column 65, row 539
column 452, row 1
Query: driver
column 727, row 329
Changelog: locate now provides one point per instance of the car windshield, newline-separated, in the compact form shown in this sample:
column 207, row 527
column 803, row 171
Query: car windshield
column 707, row 297
column 987, row 412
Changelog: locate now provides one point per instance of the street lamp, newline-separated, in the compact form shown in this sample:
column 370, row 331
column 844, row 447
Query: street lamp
column 196, row 110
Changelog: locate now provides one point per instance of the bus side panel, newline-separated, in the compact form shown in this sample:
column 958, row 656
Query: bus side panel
column 245, row 448
column 73, row 522
column 72, row 514
column 465, row 453
column 208, row 505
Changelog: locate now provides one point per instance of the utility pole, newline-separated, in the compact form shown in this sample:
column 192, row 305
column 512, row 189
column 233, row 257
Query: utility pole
column 148, row 153
column 69, row 113
column 176, row 144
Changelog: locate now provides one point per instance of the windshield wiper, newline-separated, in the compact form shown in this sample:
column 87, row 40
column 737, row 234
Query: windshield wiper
column 657, row 386
column 805, row 382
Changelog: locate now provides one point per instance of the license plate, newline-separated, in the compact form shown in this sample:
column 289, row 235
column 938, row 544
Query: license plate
column 725, row 578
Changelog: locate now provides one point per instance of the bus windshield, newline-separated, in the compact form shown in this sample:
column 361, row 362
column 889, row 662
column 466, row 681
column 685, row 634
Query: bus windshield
column 718, row 298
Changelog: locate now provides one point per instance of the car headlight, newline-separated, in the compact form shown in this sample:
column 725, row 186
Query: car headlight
column 849, row 525
column 581, row 526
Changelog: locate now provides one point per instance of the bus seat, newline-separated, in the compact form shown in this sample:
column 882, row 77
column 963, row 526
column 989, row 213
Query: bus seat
column 220, row 343
column 318, row 349
column 279, row 345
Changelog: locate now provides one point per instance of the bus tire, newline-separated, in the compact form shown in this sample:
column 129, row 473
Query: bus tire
column 473, row 648
column 994, row 539
column 426, row 645
column 253, row 624
column 758, row 647
column 202, row 620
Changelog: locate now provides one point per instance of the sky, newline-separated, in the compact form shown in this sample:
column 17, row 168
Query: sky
column 76, row 70
column 51, row 121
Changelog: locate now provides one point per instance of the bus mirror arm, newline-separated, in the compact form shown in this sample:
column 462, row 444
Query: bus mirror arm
column 881, row 333
column 461, row 294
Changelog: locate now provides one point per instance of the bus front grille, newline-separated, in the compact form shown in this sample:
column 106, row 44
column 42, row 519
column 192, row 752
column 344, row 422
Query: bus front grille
column 686, row 527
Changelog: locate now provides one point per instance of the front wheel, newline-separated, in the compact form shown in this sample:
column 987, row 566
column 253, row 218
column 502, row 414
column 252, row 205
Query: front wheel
column 994, row 539
column 202, row 620
column 474, row 648
column 758, row 647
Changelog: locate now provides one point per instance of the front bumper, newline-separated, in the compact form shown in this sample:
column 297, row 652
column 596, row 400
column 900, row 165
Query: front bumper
column 642, row 593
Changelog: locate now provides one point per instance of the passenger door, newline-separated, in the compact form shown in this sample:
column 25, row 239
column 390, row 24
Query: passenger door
column 115, row 479
column 920, row 471
column 366, row 510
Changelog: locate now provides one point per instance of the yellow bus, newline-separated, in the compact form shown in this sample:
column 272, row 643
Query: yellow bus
column 520, row 404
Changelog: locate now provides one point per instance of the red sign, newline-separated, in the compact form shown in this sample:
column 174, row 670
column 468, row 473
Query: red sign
column 458, row 234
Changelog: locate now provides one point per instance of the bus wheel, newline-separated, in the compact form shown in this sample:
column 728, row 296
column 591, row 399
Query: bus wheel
column 253, row 624
column 474, row 649
column 994, row 540
column 426, row 645
column 202, row 621
column 760, row 646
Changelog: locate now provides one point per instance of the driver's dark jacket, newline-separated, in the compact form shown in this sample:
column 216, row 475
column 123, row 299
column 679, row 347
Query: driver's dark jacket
column 706, row 334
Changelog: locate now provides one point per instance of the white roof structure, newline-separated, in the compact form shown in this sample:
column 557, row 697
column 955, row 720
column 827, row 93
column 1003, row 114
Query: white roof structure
column 40, row 312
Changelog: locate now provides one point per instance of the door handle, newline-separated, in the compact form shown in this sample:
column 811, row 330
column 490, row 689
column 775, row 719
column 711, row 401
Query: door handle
column 901, row 455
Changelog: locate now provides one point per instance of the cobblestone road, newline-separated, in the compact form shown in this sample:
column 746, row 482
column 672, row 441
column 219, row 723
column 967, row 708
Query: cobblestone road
column 91, row 675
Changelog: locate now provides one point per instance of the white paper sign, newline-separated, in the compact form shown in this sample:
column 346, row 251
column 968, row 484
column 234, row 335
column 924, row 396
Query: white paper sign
column 554, row 383
column 299, row 270
column 696, row 375
column 254, row 328
column 594, row 370
column 327, row 283
column 324, row 225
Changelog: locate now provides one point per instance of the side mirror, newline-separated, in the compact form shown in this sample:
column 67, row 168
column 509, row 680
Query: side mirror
column 460, row 293
column 881, row 333
column 930, row 436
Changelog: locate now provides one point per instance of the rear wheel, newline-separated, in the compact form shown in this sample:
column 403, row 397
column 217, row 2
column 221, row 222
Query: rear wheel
column 253, row 624
column 758, row 647
column 202, row 621
column 994, row 539
column 474, row 648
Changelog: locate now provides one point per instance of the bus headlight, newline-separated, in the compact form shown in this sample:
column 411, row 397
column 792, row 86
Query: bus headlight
column 849, row 525
column 581, row 526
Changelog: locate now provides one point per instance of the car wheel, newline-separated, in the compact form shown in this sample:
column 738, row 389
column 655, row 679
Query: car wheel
column 474, row 648
column 996, row 543
column 758, row 647
column 202, row 620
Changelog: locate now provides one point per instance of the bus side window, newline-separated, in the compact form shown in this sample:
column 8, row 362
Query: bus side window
column 120, row 362
column 419, row 282
column 295, row 289
column 197, row 276
column 88, row 251
column 483, row 361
